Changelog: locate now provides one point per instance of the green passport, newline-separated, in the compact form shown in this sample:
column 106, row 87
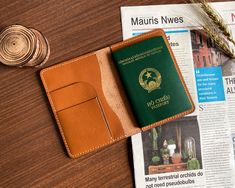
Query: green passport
column 152, row 81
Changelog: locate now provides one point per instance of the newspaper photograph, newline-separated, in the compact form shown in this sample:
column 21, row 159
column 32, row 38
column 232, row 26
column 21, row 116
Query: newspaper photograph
column 199, row 149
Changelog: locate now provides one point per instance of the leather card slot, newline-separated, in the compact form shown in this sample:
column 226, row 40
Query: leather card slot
column 84, row 127
column 72, row 95
column 83, row 122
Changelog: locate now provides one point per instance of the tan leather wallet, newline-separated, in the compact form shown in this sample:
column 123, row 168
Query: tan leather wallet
column 89, row 102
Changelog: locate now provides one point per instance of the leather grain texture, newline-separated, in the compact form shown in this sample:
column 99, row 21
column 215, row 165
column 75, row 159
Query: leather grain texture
column 89, row 103
column 84, row 127
column 77, row 84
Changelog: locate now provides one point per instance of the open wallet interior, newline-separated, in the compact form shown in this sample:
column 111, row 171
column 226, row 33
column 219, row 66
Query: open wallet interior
column 89, row 102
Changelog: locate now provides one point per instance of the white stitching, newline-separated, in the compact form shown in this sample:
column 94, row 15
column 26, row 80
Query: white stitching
column 125, row 135
column 55, row 114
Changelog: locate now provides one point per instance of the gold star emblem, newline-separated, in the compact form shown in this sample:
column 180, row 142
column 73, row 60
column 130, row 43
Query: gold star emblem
column 148, row 75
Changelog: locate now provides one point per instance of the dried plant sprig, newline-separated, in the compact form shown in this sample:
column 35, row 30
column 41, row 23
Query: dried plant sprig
column 213, row 31
column 219, row 42
column 216, row 18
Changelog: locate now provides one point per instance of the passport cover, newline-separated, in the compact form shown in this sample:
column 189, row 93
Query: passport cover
column 151, row 80
column 91, row 106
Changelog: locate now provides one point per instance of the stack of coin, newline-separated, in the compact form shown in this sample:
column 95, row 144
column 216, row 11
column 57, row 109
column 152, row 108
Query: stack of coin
column 21, row 46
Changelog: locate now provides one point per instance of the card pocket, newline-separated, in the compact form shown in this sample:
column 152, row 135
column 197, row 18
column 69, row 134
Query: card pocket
column 82, row 121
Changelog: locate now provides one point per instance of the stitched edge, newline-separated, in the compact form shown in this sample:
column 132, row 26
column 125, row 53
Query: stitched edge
column 153, row 33
column 125, row 135
column 65, row 140
column 95, row 148
column 56, row 116
column 61, row 65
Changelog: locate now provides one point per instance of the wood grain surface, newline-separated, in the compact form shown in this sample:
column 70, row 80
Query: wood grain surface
column 31, row 149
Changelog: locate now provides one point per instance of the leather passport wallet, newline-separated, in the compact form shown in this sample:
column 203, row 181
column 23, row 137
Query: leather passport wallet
column 90, row 100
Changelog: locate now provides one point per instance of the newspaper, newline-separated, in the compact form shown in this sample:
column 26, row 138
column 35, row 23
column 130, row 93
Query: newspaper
column 197, row 150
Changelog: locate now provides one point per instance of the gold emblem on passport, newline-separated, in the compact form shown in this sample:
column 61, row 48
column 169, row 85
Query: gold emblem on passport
column 150, row 79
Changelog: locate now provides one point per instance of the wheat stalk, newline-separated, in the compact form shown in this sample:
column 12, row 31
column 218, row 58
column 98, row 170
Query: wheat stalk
column 221, row 37
column 216, row 18
column 218, row 39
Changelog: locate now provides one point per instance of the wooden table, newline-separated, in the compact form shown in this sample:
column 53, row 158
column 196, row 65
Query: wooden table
column 31, row 149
